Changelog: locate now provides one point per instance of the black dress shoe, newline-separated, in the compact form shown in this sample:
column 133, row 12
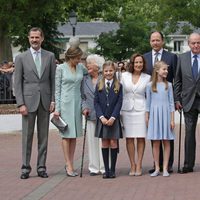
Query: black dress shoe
column 24, row 175
column 93, row 174
column 43, row 174
column 170, row 170
column 106, row 175
column 112, row 175
column 186, row 170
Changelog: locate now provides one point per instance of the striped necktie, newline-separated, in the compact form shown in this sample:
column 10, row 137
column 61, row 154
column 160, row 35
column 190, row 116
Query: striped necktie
column 156, row 57
column 37, row 63
column 107, row 86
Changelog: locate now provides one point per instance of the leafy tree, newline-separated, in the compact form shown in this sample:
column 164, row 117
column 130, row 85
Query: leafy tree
column 132, row 37
column 18, row 16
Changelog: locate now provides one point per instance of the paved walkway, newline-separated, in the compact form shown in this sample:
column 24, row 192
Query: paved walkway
column 59, row 186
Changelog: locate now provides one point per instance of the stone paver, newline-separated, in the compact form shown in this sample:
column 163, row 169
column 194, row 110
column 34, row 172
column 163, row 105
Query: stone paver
column 59, row 186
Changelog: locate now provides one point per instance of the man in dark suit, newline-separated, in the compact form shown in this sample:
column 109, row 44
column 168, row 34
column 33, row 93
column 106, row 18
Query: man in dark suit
column 187, row 96
column 34, row 90
column 156, row 54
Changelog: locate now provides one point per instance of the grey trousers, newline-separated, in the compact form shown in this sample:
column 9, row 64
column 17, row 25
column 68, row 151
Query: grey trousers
column 28, row 124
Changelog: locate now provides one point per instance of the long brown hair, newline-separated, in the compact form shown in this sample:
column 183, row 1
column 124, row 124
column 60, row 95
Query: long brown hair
column 115, row 81
column 132, row 60
column 154, row 77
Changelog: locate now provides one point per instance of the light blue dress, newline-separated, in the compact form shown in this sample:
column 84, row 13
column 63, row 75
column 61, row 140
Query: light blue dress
column 160, row 104
column 68, row 98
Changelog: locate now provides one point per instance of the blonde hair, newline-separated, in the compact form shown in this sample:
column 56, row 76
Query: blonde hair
column 115, row 81
column 154, row 77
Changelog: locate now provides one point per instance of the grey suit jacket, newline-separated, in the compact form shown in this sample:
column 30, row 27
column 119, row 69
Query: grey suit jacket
column 29, row 88
column 87, row 94
column 185, row 87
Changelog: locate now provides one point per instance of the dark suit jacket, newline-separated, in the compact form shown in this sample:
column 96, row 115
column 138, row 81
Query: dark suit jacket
column 185, row 87
column 167, row 57
column 108, row 106
column 29, row 88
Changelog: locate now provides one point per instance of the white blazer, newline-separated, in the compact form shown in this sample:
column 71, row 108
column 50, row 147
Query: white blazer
column 134, row 94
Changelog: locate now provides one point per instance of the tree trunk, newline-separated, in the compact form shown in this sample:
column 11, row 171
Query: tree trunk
column 5, row 45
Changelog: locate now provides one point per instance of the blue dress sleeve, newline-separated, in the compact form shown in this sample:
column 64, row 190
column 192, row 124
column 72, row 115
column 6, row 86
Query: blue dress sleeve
column 171, row 98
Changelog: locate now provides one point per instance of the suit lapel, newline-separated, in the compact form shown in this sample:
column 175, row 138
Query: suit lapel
column 44, row 58
column 88, row 82
column 164, row 56
column 187, row 65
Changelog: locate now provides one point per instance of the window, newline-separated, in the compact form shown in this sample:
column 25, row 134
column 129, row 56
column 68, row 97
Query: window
column 177, row 46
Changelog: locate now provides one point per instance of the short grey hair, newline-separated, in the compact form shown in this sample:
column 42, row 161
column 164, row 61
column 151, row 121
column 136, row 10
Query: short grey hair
column 97, row 59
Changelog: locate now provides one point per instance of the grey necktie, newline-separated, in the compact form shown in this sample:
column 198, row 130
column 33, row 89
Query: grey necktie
column 37, row 63
column 195, row 67
column 156, row 57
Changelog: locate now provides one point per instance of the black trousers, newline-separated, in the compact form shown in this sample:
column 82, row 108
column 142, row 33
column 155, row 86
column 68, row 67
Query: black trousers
column 191, row 118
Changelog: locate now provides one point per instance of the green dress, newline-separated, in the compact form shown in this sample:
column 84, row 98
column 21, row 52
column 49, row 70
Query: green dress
column 68, row 98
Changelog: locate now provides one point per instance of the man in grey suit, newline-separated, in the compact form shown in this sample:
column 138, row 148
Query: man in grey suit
column 34, row 91
column 157, row 54
column 187, row 96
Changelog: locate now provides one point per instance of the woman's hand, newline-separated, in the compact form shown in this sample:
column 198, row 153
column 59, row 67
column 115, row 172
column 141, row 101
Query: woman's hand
column 110, row 121
column 172, row 125
column 56, row 114
column 86, row 112
column 147, row 118
column 104, row 120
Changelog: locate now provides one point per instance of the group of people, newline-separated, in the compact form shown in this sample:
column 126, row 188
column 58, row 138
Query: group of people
column 140, row 105
column 6, row 82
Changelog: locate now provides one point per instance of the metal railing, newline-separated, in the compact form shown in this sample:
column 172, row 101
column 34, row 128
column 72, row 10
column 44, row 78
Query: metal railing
column 6, row 89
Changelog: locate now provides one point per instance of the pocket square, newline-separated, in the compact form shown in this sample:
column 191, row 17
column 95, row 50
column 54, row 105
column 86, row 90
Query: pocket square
column 59, row 123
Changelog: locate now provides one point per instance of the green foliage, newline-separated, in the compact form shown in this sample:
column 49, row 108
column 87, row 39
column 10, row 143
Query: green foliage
column 132, row 37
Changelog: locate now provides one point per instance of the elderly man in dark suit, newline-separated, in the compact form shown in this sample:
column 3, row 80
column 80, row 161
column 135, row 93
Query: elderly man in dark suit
column 156, row 54
column 187, row 96
column 34, row 91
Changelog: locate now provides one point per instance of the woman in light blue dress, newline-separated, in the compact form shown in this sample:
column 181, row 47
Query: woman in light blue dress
column 68, row 102
column 160, row 114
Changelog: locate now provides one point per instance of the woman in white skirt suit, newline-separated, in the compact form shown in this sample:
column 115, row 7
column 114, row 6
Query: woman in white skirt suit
column 133, row 111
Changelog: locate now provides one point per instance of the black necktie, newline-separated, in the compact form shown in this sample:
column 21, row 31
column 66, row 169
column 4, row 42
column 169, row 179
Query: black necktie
column 195, row 67
column 108, row 87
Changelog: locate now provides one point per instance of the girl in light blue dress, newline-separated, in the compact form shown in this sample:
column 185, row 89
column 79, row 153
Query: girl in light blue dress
column 160, row 114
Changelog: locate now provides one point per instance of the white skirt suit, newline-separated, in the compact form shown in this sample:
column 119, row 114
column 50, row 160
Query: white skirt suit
column 133, row 107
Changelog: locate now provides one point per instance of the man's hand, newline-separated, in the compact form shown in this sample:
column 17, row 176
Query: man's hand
column 52, row 107
column 178, row 106
column 23, row 110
